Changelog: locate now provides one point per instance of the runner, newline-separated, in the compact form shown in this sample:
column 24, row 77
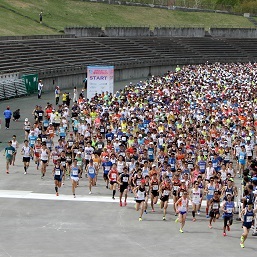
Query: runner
column 44, row 157
column 37, row 151
column 154, row 189
column 182, row 208
column 26, row 128
column 27, row 152
column 74, row 175
column 8, row 153
column 91, row 171
column 15, row 145
column 228, row 209
column 124, row 181
column 165, row 192
column 140, row 194
column 58, row 173
column 247, row 216
column 196, row 196
column 209, row 191
column 107, row 165
column 112, row 177
column 215, row 208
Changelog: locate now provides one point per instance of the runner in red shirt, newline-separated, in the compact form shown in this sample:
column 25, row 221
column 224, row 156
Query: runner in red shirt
column 113, row 177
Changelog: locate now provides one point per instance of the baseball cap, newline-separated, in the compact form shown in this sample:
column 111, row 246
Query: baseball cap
column 26, row 119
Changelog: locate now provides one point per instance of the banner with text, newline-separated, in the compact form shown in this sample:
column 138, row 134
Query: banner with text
column 99, row 79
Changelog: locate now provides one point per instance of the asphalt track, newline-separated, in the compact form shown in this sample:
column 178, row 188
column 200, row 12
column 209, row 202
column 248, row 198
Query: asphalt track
column 34, row 222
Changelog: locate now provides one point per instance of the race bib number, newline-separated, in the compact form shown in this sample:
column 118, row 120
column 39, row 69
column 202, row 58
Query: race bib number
column 155, row 187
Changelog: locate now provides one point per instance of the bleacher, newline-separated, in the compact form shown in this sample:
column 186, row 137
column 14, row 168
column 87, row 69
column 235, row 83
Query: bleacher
column 28, row 55
column 35, row 55
column 12, row 88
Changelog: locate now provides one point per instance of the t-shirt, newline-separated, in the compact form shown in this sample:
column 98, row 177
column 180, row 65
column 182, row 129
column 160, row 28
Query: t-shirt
column 9, row 151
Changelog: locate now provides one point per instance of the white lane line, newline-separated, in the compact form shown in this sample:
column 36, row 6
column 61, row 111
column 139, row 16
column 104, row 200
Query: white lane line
column 80, row 198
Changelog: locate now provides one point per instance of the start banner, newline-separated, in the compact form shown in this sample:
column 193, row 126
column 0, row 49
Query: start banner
column 99, row 79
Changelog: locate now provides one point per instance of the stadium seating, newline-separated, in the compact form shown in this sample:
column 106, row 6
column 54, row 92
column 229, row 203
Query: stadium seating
column 49, row 54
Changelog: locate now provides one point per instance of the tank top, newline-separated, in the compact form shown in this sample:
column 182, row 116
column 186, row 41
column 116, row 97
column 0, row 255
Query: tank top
column 125, row 178
column 211, row 190
column 44, row 155
column 57, row 170
column 196, row 195
column 183, row 205
column 141, row 193
column 229, row 208
column 120, row 165
column 215, row 205
column 74, row 171
column 91, row 169
column 155, row 186
column 14, row 144
column 248, row 218
column 63, row 161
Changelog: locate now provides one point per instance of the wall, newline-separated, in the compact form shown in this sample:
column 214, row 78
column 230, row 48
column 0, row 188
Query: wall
column 233, row 32
column 134, row 32
column 178, row 32
column 127, row 31
column 9, row 76
column 84, row 31
column 36, row 37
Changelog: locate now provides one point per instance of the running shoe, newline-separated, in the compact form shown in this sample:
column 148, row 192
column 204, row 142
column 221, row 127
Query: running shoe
column 140, row 219
column 210, row 226
column 163, row 218
column 107, row 187
column 113, row 198
column 207, row 216
column 74, row 196
column 224, row 234
column 120, row 204
column 198, row 212
column 181, row 231
column 194, row 219
column 57, row 194
column 242, row 239
column 90, row 192
column 242, row 245
column 176, row 220
column 125, row 203
column 25, row 173
column 153, row 210
column 228, row 228
column 145, row 211
column 7, row 172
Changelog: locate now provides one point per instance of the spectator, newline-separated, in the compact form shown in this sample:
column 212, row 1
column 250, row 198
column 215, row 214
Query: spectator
column 16, row 115
column 57, row 95
column 39, row 88
column 41, row 17
column 7, row 116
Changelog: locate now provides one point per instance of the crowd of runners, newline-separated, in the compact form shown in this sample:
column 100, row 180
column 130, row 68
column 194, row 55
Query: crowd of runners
column 186, row 136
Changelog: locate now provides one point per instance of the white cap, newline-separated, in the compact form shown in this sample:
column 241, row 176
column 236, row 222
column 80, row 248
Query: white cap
column 26, row 119
column 154, row 165
column 78, row 152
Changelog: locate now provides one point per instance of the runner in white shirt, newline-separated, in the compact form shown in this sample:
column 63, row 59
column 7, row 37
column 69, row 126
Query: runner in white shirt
column 15, row 145
column 27, row 152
